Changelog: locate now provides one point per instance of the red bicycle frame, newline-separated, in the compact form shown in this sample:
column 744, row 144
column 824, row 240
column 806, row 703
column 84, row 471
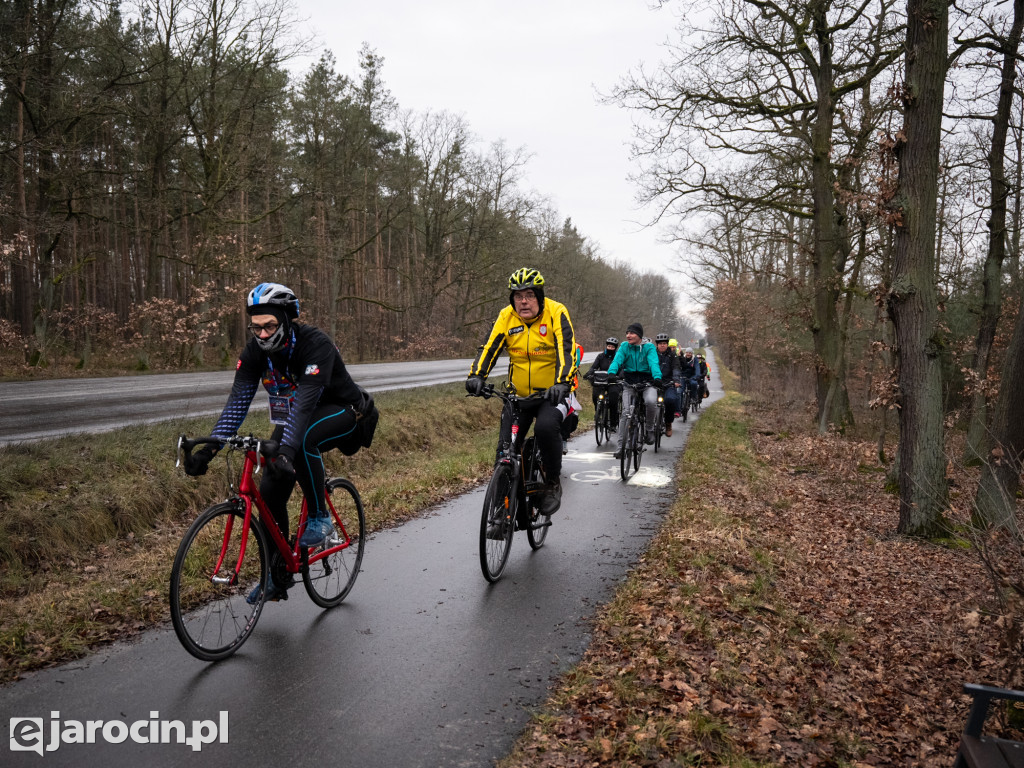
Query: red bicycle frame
column 295, row 556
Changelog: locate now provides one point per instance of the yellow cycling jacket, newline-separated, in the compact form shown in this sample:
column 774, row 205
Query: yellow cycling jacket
column 541, row 354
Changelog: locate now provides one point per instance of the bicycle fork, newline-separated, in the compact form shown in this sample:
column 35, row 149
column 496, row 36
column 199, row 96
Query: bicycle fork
column 232, row 579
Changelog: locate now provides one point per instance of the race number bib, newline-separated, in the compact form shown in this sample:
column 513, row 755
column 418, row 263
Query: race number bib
column 280, row 409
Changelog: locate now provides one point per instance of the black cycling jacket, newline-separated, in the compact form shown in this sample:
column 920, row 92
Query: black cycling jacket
column 309, row 370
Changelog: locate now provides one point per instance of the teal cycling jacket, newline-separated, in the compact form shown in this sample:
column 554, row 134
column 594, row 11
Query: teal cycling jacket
column 635, row 362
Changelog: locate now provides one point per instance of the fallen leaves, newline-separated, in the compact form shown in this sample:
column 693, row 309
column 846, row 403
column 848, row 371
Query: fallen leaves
column 787, row 624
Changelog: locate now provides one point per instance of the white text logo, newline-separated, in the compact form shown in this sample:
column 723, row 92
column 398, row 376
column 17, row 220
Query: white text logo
column 28, row 734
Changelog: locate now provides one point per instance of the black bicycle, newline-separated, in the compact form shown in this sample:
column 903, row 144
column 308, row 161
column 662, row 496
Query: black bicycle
column 684, row 400
column 635, row 430
column 659, row 421
column 604, row 423
column 511, row 502
column 695, row 400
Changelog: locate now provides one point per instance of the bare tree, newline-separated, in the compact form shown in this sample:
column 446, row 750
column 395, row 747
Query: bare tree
column 769, row 82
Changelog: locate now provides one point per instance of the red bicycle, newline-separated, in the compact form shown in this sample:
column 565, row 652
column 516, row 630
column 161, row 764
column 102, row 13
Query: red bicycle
column 227, row 558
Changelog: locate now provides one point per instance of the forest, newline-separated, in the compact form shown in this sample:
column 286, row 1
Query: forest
column 853, row 170
column 161, row 157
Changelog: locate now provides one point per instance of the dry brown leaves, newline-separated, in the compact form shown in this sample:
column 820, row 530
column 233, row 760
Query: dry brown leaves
column 807, row 634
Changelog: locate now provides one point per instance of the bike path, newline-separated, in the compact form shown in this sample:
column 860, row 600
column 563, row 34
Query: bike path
column 425, row 664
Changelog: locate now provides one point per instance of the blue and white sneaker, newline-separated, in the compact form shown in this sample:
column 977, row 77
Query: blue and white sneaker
column 317, row 529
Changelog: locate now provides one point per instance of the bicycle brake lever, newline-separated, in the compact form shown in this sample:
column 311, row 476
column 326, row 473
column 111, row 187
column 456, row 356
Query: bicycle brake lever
column 259, row 457
column 179, row 451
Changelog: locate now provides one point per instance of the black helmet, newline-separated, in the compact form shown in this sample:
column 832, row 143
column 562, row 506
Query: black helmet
column 661, row 337
column 524, row 278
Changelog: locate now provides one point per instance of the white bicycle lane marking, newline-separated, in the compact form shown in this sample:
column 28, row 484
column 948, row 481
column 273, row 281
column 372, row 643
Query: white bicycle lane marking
column 647, row 477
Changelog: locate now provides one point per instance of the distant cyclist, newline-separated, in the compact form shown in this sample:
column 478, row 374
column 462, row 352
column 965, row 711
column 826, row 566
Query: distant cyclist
column 571, row 407
column 669, row 364
column 613, row 392
column 637, row 362
column 538, row 336
column 313, row 405
column 693, row 371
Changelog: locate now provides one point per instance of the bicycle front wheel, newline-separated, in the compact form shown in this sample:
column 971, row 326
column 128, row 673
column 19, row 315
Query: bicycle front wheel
column 638, row 443
column 628, row 444
column 600, row 428
column 659, row 427
column 214, row 573
column 333, row 568
column 497, row 524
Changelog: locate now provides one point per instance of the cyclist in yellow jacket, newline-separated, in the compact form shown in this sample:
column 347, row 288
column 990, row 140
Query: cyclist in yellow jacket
column 537, row 334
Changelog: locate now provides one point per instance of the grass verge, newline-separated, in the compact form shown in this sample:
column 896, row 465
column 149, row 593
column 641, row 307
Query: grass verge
column 91, row 523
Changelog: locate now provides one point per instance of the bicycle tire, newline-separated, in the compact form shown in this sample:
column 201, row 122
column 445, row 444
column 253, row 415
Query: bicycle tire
column 537, row 523
column 659, row 424
column 500, row 503
column 213, row 618
column 330, row 578
column 625, row 460
column 684, row 411
column 600, row 428
column 638, row 443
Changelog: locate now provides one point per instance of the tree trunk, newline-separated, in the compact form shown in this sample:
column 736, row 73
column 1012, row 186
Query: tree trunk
column 912, row 296
column 829, row 250
column 1000, row 475
column 977, row 431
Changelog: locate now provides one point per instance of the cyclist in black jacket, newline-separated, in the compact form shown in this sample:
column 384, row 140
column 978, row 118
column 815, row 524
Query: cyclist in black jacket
column 670, row 371
column 613, row 391
column 313, row 403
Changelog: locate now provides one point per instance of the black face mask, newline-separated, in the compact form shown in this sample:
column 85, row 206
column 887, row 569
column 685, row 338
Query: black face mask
column 610, row 352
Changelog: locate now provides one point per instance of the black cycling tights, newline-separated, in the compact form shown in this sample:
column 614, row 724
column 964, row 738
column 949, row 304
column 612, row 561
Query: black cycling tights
column 548, row 431
column 330, row 426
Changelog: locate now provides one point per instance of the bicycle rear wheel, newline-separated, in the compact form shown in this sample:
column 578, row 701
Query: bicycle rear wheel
column 537, row 523
column 498, row 516
column 329, row 578
column 209, row 603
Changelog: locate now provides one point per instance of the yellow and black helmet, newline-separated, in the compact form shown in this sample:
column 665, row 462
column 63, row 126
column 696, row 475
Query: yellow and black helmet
column 526, row 277
column 523, row 278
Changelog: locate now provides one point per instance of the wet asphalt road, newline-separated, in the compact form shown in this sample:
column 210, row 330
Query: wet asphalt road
column 425, row 664
column 37, row 410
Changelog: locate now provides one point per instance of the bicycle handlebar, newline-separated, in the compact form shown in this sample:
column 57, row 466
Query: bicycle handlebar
column 267, row 448
column 489, row 391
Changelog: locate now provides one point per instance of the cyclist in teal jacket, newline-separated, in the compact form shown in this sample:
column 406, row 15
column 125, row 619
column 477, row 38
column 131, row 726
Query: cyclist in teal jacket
column 636, row 362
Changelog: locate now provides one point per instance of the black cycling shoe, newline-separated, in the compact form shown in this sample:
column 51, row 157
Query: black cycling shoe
column 274, row 592
column 551, row 499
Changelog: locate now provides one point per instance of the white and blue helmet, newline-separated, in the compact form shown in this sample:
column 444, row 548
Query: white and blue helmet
column 278, row 300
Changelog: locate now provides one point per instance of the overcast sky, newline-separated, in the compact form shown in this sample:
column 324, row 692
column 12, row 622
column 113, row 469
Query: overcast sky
column 530, row 72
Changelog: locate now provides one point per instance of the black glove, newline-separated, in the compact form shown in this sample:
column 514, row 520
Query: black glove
column 474, row 385
column 557, row 393
column 659, row 383
column 614, row 378
column 281, row 468
column 196, row 463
